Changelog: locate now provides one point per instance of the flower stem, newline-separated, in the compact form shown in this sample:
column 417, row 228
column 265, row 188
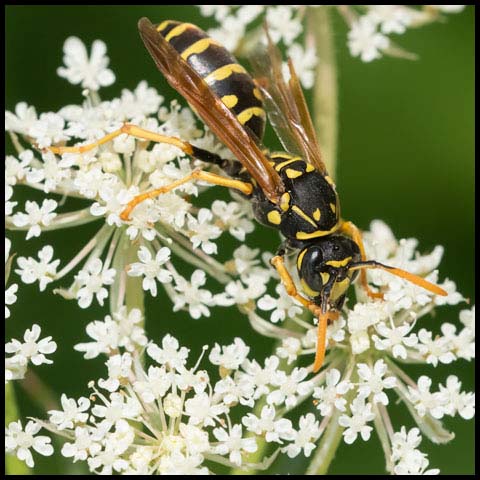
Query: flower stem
column 126, row 253
column 325, row 101
column 327, row 448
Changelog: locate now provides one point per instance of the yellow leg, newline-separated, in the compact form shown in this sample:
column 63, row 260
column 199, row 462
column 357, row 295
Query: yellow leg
column 138, row 132
column 129, row 130
column 323, row 318
column 198, row 174
column 354, row 233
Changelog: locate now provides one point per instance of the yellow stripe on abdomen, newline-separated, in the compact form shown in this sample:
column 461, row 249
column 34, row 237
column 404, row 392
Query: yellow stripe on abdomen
column 224, row 72
column 248, row 113
column 178, row 30
column 198, row 47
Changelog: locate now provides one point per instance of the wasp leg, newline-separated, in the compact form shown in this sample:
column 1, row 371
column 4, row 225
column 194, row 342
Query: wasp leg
column 231, row 167
column 323, row 318
column 129, row 130
column 354, row 233
column 244, row 187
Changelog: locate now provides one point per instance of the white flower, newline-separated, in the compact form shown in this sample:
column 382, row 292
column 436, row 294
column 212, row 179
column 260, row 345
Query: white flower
column 426, row 402
column 91, row 282
column 19, row 441
column 150, row 268
column 467, row 317
column 229, row 357
column 202, row 231
column 332, row 394
column 392, row 18
column 365, row 41
column 237, row 293
column 117, row 408
column 461, row 402
column 244, row 259
column 261, row 377
column 291, row 387
column 434, row 350
column 71, row 414
column 180, row 464
column 91, row 73
column 90, row 182
column 449, row 8
column 36, row 217
column 48, row 130
column 15, row 170
column 140, row 103
column 304, row 61
column 372, row 381
column 233, row 444
column 22, row 120
column 119, row 367
column 359, row 320
column 306, row 436
column 395, row 339
column 282, row 24
column 9, row 206
column 10, row 298
column 289, row 349
column 240, row 388
column 32, row 349
column 230, row 34
column 361, row 414
column 189, row 293
column 51, row 173
column 202, row 411
column 274, row 430
column 404, row 442
column 282, row 307
column 83, row 446
column 156, row 384
column 43, row 271
column 170, row 354
column 232, row 216
column 409, row 460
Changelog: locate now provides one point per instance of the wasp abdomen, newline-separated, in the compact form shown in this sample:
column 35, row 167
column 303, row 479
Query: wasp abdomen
column 220, row 70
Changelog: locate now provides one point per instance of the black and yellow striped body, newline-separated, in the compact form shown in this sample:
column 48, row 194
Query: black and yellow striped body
column 220, row 70
column 308, row 209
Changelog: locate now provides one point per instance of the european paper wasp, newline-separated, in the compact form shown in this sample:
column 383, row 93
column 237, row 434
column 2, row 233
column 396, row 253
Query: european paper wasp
column 291, row 192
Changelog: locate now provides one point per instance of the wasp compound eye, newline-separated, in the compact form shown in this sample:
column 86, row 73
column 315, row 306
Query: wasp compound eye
column 325, row 263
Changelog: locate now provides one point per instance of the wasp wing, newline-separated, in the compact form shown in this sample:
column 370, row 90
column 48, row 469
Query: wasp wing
column 211, row 110
column 286, row 106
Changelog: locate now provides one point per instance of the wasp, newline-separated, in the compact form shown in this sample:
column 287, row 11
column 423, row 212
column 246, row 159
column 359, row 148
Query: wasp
column 291, row 192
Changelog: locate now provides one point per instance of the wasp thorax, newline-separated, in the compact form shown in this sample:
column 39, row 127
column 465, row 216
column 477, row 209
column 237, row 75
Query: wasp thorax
column 323, row 268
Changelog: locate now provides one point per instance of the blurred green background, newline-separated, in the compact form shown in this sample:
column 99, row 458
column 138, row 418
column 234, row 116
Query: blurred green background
column 405, row 156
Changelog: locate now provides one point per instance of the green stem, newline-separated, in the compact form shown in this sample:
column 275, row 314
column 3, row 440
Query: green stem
column 327, row 447
column 325, row 91
column 13, row 465
column 126, row 290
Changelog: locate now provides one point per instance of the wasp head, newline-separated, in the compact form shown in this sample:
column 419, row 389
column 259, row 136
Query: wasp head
column 324, row 270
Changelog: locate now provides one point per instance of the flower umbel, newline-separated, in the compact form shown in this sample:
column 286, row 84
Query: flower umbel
column 155, row 411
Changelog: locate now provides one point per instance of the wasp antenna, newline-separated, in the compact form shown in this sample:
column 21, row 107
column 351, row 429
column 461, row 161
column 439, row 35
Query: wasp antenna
column 415, row 279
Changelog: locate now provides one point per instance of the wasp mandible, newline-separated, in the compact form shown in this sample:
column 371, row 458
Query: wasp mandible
column 291, row 192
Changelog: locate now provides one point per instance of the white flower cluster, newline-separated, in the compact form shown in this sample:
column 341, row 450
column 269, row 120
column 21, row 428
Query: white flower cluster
column 365, row 345
column 367, row 38
column 32, row 349
column 109, row 177
column 170, row 418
